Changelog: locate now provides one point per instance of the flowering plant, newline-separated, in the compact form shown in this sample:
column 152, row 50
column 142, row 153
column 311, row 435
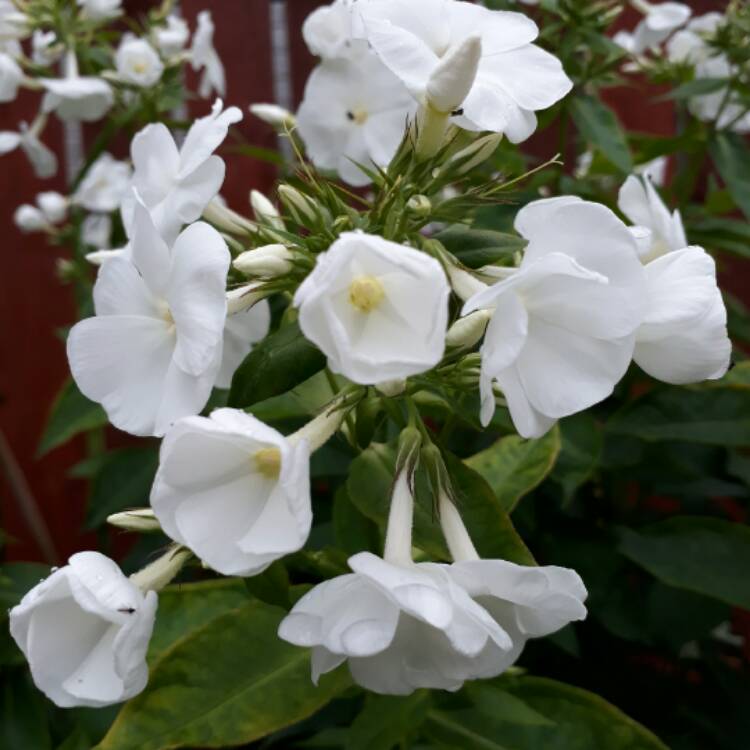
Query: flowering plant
column 356, row 381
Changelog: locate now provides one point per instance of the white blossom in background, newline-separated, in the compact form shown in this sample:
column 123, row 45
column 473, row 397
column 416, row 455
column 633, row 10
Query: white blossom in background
column 96, row 231
column 683, row 337
column 137, row 62
column 11, row 78
column 654, row 170
column 172, row 38
column 376, row 309
column 42, row 159
column 514, row 77
column 30, row 218
column 105, row 185
column 85, row 631
column 101, row 9
column 152, row 353
column 175, row 184
column 51, row 208
column 562, row 330
column 76, row 97
column 53, row 205
column 234, row 491
column 659, row 21
column 13, row 23
column 689, row 44
column 204, row 57
column 354, row 110
column 45, row 48
column 329, row 30
column 241, row 331
column 273, row 115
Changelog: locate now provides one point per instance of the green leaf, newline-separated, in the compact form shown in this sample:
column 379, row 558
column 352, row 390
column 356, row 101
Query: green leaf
column 187, row 607
column 369, row 487
column 71, row 413
column 15, row 580
column 581, row 720
column 599, row 125
column 698, row 87
column 582, row 444
column 123, row 481
column 231, row 682
column 275, row 365
column 354, row 531
column 513, row 466
column 480, row 247
column 712, row 416
column 23, row 713
column 271, row 586
column 405, row 715
column 722, row 233
column 705, row 555
column 732, row 158
column 461, row 729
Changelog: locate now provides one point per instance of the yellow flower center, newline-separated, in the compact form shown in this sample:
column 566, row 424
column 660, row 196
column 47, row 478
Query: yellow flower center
column 268, row 462
column 358, row 116
column 139, row 66
column 366, row 293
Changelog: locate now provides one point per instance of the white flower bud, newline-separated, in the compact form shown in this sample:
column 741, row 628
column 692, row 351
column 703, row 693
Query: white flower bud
column 99, row 257
column 142, row 520
column 53, row 205
column 390, row 388
column 264, row 262
column 452, row 79
column 302, row 208
column 277, row 117
column 221, row 216
column 464, row 284
column 419, row 205
column 476, row 153
column 467, row 331
column 265, row 212
column 158, row 574
column 30, row 219
column 244, row 297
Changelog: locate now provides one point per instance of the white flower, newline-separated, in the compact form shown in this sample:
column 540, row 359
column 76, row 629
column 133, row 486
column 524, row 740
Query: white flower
column 354, row 110
column 42, row 159
column 659, row 21
column 177, row 185
column 85, row 631
column 640, row 202
column 30, row 219
column 96, row 231
column 716, row 106
column 173, row 37
column 53, row 205
column 654, row 170
column 328, row 30
column 233, row 490
column 45, row 49
column 204, row 56
column 377, row 310
column 151, row 354
column 101, row 9
column 13, row 23
column 514, row 77
column 689, row 44
column 562, row 331
column 105, row 185
column 137, row 62
column 241, row 331
column 11, row 77
column 276, row 116
column 76, row 97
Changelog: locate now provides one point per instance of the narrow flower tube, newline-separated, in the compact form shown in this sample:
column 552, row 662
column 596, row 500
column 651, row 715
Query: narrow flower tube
column 265, row 262
column 265, row 212
column 141, row 520
column 452, row 79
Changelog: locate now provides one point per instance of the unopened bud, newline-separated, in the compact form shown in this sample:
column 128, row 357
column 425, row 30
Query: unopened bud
column 158, row 574
column 142, row 520
column 464, row 284
column 303, row 209
column 452, row 79
column 467, row 331
column 265, row 262
column 476, row 153
column 277, row 117
column 30, row 219
column 244, row 297
column 99, row 257
column 419, row 205
column 53, row 205
column 391, row 388
column 221, row 216
column 265, row 212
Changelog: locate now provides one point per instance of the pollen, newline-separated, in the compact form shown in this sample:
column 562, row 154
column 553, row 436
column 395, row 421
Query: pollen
column 268, row 462
column 366, row 293
column 358, row 116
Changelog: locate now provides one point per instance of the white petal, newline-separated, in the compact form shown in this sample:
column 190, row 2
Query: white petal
column 121, row 290
column 241, row 331
column 149, row 252
column 156, row 162
column 205, row 135
column 529, row 422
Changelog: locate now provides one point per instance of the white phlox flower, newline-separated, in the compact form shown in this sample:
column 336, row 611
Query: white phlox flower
column 152, row 353
column 354, row 110
column 563, row 328
column 658, row 22
column 76, row 97
column 241, row 331
column 514, row 78
column 45, row 48
column 11, row 77
column 683, row 337
column 177, row 184
column 96, row 231
column 233, row 490
column 42, row 159
column 172, row 38
column 84, row 631
column 204, row 57
column 330, row 29
column 101, row 10
column 105, row 185
column 51, row 208
column 378, row 310
column 137, row 62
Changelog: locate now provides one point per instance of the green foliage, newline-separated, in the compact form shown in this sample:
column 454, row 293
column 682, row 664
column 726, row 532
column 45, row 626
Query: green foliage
column 599, row 125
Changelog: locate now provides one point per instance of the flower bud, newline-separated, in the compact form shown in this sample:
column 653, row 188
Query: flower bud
column 452, row 79
column 390, row 388
column 467, row 331
column 303, row 209
column 265, row 262
column 99, row 257
column 265, row 212
column 158, row 574
column 30, row 219
column 475, row 154
column 141, row 520
column 53, row 205
column 419, row 205
column 464, row 284
column 277, row 117
column 244, row 297
column 221, row 216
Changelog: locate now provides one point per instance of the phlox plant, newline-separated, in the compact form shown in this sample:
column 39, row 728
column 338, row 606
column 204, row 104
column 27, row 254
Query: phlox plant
column 408, row 415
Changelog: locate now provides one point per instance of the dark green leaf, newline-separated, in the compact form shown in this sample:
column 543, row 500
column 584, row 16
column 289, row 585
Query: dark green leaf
column 371, row 730
column 480, row 247
column 275, row 365
column 123, row 481
column 582, row 445
column 23, row 713
column 71, row 414
column 698, row 87
column 705, row 555
column 354, row 531
column 732, row 158
column 599, row 125
column 513, row 466
column 231, row 682
column 271, row 586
